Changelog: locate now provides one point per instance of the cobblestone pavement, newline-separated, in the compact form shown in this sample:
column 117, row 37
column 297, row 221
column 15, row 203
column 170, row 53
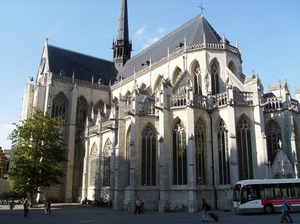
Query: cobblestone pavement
column 87, row 214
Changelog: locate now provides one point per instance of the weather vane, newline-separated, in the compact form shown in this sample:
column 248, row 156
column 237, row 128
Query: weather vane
column 201, row 9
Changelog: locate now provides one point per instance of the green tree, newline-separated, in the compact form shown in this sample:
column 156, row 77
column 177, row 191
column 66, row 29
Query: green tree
column 38, row 154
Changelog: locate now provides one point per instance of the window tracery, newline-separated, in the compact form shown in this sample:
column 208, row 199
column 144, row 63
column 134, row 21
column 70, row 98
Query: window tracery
column 149, row 157
column 244, row 150
column 59, row 108
column 224, row 171
column 273, row 138
column 198, row 79
column 215, row 73
column 200, row 152
column 179, row 154
column 81, row 112
column 106, row 155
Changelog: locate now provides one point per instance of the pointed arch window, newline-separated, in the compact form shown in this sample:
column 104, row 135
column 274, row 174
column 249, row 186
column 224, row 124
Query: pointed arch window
column 244, row 150
column 224, row 172
column 149, row 157
column 179, row 155
column 98, row 107
column 197, row 79
column 59, row 108
column 200, row 152
column 215, row 73
column 81, row 112
column 273, row 138
column 94, row 166
column 127, row 159
column 106, row 163
column 176, row 76
column 232, row 68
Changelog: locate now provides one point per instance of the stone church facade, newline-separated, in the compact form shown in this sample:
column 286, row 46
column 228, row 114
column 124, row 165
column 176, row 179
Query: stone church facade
column 174, row 124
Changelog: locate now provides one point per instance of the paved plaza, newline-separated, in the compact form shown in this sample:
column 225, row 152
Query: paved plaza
column 88, row 214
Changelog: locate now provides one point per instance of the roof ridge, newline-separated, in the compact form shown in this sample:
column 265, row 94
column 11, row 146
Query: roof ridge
column 76, row 52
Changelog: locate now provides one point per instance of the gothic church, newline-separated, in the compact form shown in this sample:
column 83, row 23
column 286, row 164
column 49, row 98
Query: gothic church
column 176, row 123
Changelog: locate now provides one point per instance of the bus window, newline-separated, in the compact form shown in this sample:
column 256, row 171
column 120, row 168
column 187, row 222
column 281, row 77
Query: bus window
column 269, row 193
column 278, row 193
column 236, row 195
column 262, row 194
column 297, row 191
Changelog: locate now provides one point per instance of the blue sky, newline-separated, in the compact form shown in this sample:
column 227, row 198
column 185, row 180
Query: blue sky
column 267, row 32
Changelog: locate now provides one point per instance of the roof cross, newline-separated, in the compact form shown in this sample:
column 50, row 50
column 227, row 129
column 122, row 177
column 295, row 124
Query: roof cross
column 201, row 9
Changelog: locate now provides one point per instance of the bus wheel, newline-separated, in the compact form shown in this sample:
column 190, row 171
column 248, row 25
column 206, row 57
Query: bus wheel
column 268, row 209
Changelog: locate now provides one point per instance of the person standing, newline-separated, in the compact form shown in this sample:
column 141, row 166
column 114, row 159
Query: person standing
column 204, row 211
column 26, row 208
column 137, row 206
column 286, row 210
column 49, row 207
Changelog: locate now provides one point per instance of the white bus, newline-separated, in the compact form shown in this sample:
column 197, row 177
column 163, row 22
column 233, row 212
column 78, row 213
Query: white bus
column 265, row 195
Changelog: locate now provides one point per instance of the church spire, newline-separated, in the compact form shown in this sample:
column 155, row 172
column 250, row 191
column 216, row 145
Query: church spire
column 122, row 45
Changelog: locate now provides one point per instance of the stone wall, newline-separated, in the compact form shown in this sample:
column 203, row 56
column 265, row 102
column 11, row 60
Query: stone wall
column 4, row 186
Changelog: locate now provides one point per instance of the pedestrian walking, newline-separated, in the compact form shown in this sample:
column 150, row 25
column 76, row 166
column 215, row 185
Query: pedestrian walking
column 137, row 206
column 46, row 208
column 286, row 210
column 49, row 207
column 204, row 211
column 142, row 208
column 26, row 208
column 12, row 205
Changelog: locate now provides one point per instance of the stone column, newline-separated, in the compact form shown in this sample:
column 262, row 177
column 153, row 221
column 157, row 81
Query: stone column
column 191, row 161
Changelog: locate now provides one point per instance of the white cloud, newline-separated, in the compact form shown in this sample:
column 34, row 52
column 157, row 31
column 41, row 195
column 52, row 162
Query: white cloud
column 140, row 32
column 161, row 30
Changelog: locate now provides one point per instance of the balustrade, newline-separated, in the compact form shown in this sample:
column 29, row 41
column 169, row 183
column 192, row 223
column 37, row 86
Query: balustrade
column 242, row 98
column 146, row 108
column 220, row 99
column 79, row 82
column 273, row 103
column 200, row 101
column 178, row 100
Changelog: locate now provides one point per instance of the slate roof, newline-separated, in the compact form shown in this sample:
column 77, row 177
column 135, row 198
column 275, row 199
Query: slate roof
column 192, row 31
column 84, row 66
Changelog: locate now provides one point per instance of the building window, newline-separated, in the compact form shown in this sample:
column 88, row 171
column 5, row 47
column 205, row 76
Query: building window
column 106, row 163
column 244, row 150
column 273, row 138
column 215, row 73
column 197, row 80
column 200, row 153
column 81, row 112
column 98, row 107
column 223, row 154
column 232, row 68
column 149, row 157
column 94, row 166
column 176, row 76
column 179, row 155
column 59, row 108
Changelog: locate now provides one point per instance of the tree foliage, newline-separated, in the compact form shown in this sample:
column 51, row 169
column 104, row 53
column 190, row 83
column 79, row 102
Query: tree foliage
column 38, row 154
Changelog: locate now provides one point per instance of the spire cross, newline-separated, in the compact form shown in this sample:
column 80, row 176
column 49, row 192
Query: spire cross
column 201, row 9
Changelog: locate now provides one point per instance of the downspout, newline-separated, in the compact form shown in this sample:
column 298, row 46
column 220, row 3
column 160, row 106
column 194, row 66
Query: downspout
column 212, row 161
